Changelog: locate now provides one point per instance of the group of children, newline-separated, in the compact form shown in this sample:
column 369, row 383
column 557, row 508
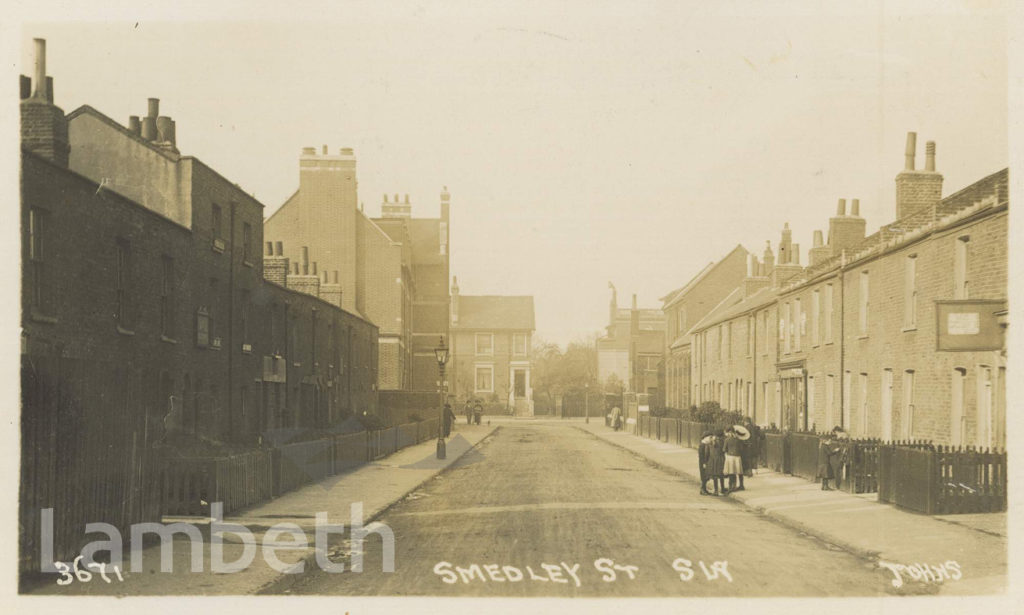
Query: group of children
column 721, row 454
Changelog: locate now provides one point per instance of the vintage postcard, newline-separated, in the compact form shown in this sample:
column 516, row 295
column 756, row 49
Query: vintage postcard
column 378, row 305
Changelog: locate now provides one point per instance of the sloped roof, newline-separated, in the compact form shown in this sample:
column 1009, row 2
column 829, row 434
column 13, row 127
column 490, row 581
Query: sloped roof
column 679, row 293
column 495, row 312
column 908, row 227
column 730, row 300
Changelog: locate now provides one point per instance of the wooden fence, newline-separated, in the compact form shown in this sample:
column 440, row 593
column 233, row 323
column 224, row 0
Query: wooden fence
column 238, row 481
column 87, row 453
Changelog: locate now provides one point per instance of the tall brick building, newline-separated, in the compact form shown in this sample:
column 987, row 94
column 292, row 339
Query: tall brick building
column 147, row 325
column 632, row 348
column 392, row 270
column 491, row 357
column 853, row 338
column 685, row 306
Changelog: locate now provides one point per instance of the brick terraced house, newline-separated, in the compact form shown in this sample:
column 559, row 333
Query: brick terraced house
column 897, row 335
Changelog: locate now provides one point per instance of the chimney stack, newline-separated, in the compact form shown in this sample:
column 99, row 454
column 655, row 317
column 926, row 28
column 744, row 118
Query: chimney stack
column 44, row 130
column 917, row 190
column 755, row 279
column 844, row 231
column 911, row 151
column 819, row 252
column 40, row 75
column 275, row 266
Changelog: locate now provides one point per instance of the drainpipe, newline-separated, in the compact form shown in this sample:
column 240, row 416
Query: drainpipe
column 231, row 319
column 842, row 342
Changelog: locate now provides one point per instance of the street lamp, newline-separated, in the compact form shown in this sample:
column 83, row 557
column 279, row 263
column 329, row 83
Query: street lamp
column 441, row 353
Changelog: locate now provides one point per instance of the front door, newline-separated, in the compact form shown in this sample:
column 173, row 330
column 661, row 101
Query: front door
column 520, row 383
column 794, row 413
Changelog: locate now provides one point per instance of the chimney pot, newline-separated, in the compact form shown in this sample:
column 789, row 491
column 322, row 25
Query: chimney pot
column 385, row 197
column 154, row 108
column 407, row 199
column 855, row 207
column 396, row 197
column 280, row 248
column 929, row 156
column 911, row 149
column 305, row 260
column 841, row 208
column 817, row 239
column 49, row 90
column 314, row 268
column 135, row 125
column 325, row 150
column 163, row 129
column 335, row 276
column 270, row 248
column 309, row 151
column 149, row 132
column 795, row 257
column 347, row 151
column 40, row 76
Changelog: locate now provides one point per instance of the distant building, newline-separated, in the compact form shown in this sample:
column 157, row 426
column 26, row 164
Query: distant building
column 491, row 354
column 685, row 306
column 632, row 347
column 391, row 270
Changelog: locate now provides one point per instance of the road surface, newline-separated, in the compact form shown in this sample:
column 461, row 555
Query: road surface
column 548, row 510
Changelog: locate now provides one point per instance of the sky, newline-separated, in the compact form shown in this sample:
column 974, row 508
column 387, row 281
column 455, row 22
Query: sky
column 582, row 143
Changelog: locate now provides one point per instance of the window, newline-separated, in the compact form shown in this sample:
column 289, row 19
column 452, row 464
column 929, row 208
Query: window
column 810, row 396
column 216, row 222
column 167, row 297
column 787, row 327
column 484, row 379
column 247, row 242
column 960, row 287
column 910, row 292
column 37, row 258
column 123, row 279
column 830, row 401
column 886, row 432
column 864, row 304
column 214, row 325
column 728, row 339
column 828, row 314
column 244, row 317
column 485, row 343
column 798, row 326
column 908, row 404
column 957, row 418
column 863, row 404
column 815, row 316
column 519, row 343
column 847, row 382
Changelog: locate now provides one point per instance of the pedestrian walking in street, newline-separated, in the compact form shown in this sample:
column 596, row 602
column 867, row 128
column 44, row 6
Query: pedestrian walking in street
column 716, row 462
column 449, row 420
column 469, row 411
column 704, row 460
column 841, row 444
column 751, row 448
column 616, row 418
column 825, row 452
column 733, row 449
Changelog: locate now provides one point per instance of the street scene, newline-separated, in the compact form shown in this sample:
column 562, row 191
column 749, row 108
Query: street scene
column 446, row 303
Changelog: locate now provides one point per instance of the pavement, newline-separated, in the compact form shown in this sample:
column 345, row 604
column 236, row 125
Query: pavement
column 858, row 523
column 377, row 486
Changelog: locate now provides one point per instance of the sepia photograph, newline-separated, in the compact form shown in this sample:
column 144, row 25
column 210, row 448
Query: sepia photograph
column 373, row 305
